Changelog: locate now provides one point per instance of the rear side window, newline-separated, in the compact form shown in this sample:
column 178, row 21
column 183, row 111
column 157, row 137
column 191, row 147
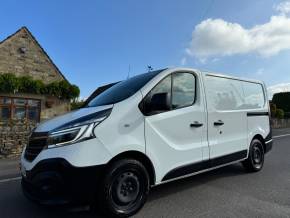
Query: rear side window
column 230, row 94
column 254, row 95
column 224, row 94
column 180, row 89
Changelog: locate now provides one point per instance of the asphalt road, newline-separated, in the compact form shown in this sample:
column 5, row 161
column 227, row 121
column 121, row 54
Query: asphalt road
column 226, row 192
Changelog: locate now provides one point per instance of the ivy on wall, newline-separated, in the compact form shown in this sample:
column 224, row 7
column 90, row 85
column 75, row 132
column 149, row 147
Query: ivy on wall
column 9, row 83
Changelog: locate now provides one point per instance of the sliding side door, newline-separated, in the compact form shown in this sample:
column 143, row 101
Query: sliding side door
column 227, row 119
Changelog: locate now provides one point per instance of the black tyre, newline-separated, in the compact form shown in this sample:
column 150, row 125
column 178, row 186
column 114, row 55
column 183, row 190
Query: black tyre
column 255, row 160
column 125, row 188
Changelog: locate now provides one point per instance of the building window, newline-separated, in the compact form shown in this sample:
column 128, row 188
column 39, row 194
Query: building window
column 19, row 108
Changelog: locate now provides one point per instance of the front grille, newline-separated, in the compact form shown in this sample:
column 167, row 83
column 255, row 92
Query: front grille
column 36, row 143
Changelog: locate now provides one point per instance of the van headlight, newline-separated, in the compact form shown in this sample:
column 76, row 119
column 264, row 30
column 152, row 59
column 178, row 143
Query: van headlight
column 75, row 131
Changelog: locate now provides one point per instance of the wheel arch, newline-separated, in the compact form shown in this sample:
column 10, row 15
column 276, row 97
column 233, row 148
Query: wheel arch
column 143, row 158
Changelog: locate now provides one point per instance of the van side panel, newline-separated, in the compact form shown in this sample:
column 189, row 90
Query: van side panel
column 258, row 125
column 258, row 117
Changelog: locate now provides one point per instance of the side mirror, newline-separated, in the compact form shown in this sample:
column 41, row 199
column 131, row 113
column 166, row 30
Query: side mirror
column 160, row 102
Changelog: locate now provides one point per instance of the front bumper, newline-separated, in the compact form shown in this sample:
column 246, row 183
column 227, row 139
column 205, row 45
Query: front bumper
column 56, row 182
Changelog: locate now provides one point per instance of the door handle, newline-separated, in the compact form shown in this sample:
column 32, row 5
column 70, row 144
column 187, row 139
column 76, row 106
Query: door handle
column 196, row 124
column 218, row 123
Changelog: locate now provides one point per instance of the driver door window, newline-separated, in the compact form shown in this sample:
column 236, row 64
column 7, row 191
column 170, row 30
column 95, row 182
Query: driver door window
column 183, row 90
column 179, row 87
column 163, row 87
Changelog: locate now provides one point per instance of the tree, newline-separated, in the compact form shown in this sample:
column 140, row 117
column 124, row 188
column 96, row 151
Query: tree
column 74, row 92
column 64, row 89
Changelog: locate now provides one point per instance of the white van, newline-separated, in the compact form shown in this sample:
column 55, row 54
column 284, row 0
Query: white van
column 147, row 130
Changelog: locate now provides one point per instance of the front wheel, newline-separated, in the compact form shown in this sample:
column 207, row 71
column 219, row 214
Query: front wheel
column 125, row 188
column 255, row 160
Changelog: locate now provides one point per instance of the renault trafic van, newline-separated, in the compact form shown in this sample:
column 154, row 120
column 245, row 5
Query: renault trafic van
column 147, row 130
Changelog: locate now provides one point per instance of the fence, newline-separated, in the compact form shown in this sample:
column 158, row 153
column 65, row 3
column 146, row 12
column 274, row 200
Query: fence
column 280, row 123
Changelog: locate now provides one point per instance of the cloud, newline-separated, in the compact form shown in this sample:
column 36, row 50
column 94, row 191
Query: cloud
column 183, row 61
column 215, row 60
column 283, row 7
column 260, row 71
column 282, row 87
column 217, row 37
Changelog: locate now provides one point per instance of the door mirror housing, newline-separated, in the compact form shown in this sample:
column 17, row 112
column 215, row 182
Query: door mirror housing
column 160, row 102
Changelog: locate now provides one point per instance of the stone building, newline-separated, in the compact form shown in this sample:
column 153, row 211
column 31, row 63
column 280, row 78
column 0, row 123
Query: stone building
column 22, row 55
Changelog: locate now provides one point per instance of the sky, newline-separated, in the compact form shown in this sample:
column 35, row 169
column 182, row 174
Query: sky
column 95, row 42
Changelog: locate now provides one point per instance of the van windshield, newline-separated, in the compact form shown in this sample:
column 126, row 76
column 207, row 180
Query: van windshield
column 122, row 90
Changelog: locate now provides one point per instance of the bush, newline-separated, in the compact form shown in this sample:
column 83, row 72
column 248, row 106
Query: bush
column 273, row 109
column 280, row 114
column 76, row 105
column 282, row 101
column 9, row 83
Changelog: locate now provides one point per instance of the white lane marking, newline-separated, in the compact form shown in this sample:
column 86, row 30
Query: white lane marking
column 280, row 136
column 10, row 179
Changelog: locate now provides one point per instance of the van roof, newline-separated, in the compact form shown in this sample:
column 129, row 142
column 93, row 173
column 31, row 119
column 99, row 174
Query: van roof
column 205, row 72
column 232, row 77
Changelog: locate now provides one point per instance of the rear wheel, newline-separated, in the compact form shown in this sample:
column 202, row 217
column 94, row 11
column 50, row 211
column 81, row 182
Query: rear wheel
column 125, row 188
column 255, row 160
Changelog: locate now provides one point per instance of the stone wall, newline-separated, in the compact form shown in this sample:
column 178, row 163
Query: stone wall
column 21, row 55
column 13, row 137
column 52, row 106
column 13, row 133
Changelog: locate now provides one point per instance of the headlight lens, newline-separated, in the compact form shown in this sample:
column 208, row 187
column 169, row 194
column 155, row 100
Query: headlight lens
column 75, row 131
column 59, row 138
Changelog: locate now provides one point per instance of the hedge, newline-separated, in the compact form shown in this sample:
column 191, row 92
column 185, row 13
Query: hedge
column 273, row 108
column 282, row 101
column 9, row 83
column 280, row 114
